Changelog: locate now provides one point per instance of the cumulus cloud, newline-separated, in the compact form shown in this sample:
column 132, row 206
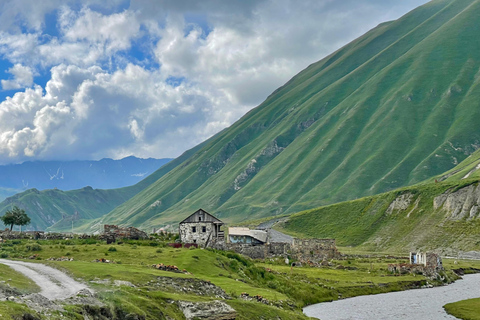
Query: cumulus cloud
column 155, row 78
column 93, row 112
column 22, row 77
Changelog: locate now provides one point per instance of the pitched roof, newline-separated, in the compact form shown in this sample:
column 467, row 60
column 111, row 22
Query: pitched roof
column 206, row 217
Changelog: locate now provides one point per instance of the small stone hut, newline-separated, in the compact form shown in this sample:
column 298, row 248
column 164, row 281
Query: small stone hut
column 201, row 228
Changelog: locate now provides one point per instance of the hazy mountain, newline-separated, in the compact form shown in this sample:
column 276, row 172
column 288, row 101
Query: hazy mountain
column 69, row 175
column 52, row 205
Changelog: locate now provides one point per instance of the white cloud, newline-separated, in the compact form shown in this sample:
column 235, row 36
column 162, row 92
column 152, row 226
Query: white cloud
column 101, row 101
column 95, row 113
column 22, row 77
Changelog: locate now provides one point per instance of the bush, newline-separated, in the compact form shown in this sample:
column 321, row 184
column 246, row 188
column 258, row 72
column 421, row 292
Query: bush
column 159, row 251
column 3, row 255
column 33, row 247
column 112, row 249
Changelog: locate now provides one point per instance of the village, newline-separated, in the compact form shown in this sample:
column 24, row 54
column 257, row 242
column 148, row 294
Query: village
column 212, row 255
column 203, row 230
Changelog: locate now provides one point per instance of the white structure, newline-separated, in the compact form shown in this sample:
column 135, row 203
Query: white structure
column 245, row 235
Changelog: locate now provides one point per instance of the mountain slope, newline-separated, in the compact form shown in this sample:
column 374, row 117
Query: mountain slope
column 432, row 215
column 392, row 108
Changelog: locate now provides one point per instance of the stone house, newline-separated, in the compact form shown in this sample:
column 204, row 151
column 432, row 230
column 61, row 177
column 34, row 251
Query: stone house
column 427, row 259
column 427, row 263
column 201, row 228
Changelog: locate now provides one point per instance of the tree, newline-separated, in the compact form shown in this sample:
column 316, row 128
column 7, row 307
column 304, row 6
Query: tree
column 16, row 216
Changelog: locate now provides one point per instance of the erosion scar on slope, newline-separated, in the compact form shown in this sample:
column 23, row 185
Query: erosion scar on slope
column 54, row 284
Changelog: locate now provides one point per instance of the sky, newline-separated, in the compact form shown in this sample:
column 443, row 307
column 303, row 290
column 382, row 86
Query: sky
column 85, row 80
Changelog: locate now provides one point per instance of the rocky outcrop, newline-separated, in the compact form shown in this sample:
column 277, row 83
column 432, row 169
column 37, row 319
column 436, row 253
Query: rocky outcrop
column 213, row 310
column 402, row 202
column 189, row 286
column 461, row 203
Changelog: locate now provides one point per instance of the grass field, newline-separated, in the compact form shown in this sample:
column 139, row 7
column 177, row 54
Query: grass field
column 288, row 289
column 465, row 309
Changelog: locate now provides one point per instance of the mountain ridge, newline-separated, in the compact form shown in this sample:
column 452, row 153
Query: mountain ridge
column 392, row 108
column 433, row 215
column 69, row 175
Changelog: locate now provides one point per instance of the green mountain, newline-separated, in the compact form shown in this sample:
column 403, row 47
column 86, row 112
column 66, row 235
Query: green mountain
column 392, row 108
column 440, row 215
column 60, row 208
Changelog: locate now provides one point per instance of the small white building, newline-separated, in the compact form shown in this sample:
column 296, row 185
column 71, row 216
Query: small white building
column 247, row 236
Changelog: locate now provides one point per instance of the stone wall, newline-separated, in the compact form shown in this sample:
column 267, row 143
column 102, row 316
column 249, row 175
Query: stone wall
column 113, row 232
column 314, row 250
column 199, row 237
column 303, row 250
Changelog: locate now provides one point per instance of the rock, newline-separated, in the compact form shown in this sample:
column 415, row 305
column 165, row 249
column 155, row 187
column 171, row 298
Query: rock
column 123, row 283
column 189, row 285
column 463, row 203
column 214, row 310
column 11, row 298
column 400, row 203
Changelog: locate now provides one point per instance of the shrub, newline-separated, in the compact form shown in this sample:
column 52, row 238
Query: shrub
column 112, row 249
column 33, row 247
column 3, row 255
column 159, row 251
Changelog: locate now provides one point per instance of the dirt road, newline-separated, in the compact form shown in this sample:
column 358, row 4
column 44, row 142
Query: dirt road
column 54, row 284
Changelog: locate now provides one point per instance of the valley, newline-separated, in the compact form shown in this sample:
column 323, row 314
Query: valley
column 373, row 150
column 126, row 283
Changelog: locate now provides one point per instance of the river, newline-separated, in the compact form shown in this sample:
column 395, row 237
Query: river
column 425, row 304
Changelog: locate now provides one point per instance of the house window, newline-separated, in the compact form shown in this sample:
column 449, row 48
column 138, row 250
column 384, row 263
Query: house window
column 194, row 229
column 204, row 229
column 199, row 218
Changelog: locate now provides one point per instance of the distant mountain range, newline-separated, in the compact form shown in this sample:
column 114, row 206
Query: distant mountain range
column 54, row 206
column 70, row 175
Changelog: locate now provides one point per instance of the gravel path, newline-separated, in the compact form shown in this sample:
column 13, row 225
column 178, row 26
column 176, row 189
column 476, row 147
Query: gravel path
column 54, row 284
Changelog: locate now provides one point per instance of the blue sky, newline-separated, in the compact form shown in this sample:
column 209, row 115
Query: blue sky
column 83, row 80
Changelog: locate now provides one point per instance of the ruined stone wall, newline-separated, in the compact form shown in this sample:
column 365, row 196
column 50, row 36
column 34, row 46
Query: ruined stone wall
column 303, row 250
column 314, row 250
column 199, row 237
column 112, row 232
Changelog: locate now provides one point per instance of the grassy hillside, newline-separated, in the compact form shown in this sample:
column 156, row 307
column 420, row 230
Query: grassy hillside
column 49, row 207
column 393, row 108
column 440, row 215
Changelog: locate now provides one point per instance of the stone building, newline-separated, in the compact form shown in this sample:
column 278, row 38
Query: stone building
column 426, row 263
column 201, row 228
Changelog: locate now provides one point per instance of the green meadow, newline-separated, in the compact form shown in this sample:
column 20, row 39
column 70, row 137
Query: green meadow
column 287, row 289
